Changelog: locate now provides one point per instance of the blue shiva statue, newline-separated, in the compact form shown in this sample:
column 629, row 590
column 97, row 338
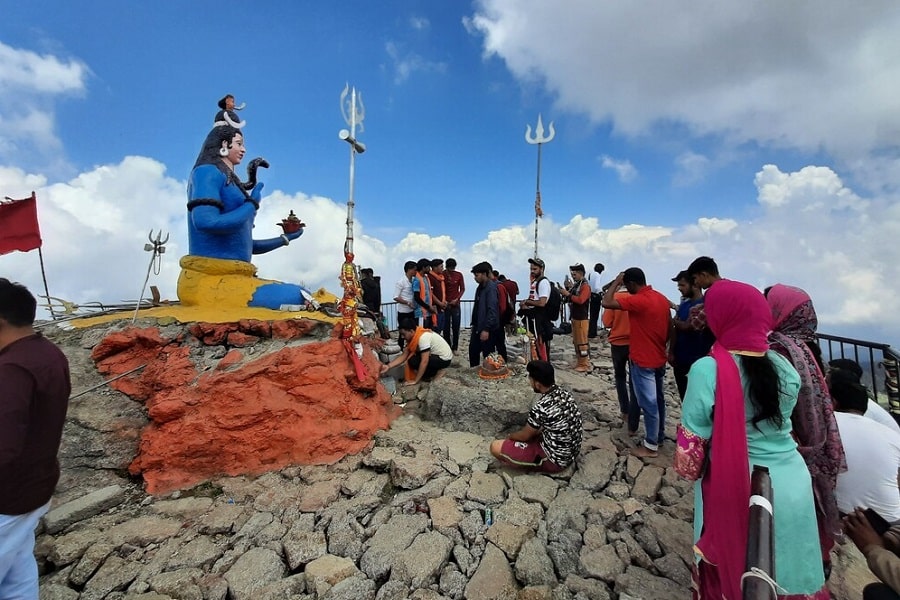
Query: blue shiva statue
column 221, row 211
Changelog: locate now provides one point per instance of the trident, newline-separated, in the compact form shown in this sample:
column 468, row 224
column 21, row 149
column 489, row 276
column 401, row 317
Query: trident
column 157, row 246
column 353, row 112
column 538, row 139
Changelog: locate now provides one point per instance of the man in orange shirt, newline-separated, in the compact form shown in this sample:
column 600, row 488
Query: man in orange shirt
column 651, row 326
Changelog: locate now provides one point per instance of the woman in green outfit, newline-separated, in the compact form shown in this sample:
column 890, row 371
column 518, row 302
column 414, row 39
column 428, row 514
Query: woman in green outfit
column 753, row 391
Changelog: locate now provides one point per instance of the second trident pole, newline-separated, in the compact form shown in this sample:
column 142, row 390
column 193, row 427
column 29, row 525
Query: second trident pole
column 538, row 139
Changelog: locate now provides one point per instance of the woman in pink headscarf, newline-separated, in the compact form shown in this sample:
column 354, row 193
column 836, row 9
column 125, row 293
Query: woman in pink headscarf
column 794, row 336
column 736, row 414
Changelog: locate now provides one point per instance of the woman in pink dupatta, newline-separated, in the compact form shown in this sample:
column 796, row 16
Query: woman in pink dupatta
column 815, row 428
column 736, row 414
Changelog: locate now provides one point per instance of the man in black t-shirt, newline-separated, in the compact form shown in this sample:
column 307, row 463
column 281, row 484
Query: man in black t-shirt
column 551, row 439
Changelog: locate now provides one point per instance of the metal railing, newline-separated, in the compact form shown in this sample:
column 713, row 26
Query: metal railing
column 389, row 310
column 864, row 353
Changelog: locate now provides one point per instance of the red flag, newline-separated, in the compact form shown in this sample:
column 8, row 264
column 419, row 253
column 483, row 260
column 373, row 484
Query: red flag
column 19, row 225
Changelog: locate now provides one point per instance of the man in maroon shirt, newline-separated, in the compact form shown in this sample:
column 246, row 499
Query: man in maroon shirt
column 454, row 287
column 651, row 326
column 35, row 394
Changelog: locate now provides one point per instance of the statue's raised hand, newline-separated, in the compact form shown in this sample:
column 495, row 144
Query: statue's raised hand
column 256, row 194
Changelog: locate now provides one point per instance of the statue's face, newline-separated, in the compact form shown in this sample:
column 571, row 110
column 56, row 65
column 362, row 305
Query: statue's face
column 229, row 103
column 237, row 150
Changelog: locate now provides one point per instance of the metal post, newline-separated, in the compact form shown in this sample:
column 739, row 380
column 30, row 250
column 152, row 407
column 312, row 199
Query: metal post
column 538, row 139
column 158, row 248
column 758, row 584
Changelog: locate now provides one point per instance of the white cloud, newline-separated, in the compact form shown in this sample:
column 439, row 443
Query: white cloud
column 692, row 167
column 29, row 85
column 623, row 168
column 406, row 62
column 24, row 70
column 419, row 23
column 812, row 76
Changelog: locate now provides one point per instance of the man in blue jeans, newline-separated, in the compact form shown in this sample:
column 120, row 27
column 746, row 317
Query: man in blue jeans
column 651, row 326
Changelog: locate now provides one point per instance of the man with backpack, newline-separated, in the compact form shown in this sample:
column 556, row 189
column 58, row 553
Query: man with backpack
column 579, row 298
column 485, row 315
column 541, row 308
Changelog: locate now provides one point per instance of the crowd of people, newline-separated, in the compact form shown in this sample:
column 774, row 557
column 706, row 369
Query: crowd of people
column 750, row 375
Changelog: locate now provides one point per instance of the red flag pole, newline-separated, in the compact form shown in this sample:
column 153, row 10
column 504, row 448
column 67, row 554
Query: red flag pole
column 46, row 289
column 22, row 232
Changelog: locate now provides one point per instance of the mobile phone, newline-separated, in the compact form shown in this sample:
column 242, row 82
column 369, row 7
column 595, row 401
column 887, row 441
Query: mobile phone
column 878, row 523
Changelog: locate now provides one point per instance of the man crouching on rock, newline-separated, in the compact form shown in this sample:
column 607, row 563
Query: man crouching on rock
column 426, row 355
column 551, row 439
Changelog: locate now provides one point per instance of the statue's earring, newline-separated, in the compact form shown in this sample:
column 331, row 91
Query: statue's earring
column 223, row 151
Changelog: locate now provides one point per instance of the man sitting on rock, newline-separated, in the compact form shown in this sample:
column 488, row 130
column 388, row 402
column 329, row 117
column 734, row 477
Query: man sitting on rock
column 551, row 439
column 872, row 451
column 426, row 355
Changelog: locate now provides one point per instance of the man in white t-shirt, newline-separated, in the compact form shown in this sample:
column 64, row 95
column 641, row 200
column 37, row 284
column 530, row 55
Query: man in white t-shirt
column 403, row 296
column 872, row 451
column 874, row 410
column 426, row 355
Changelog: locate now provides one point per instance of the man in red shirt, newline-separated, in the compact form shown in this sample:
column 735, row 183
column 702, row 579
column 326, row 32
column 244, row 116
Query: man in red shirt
column 651, row 326
column 454, row 287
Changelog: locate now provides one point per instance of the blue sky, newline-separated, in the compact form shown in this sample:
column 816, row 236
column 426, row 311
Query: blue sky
column 762, row 135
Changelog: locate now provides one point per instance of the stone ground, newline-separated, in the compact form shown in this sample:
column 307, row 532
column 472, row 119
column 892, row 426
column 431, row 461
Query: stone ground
column 407, row 518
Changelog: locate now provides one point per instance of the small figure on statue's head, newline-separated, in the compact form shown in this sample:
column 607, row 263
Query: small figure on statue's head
column 227, row 114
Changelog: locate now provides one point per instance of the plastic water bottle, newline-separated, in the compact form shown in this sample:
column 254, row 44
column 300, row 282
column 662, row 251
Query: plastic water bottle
column 488, row 517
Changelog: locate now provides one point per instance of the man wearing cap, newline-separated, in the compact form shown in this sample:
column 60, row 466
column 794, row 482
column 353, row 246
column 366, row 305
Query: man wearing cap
column 594, row 278
column 532, row 309
column 579, row 298
column 551, row 439
column 651, row 324
column 688, row 344
column 485, row 315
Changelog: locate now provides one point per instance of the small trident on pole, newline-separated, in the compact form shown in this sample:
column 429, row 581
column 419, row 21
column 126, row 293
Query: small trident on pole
column 157, row 246
column 538, row 139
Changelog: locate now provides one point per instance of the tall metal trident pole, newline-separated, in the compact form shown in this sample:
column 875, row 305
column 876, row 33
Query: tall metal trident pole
column 538, row 139
column 353, row 112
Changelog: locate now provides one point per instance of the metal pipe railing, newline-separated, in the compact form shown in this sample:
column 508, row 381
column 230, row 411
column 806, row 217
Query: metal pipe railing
column 864, row 353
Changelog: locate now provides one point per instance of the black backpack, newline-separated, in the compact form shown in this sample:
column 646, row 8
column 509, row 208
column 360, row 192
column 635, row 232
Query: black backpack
column 554, row 301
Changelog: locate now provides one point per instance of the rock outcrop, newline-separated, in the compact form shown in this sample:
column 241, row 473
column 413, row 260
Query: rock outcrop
column 243, row 398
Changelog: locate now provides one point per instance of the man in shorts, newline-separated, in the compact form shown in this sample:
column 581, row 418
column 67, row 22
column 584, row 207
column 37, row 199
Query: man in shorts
column 551, row 439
